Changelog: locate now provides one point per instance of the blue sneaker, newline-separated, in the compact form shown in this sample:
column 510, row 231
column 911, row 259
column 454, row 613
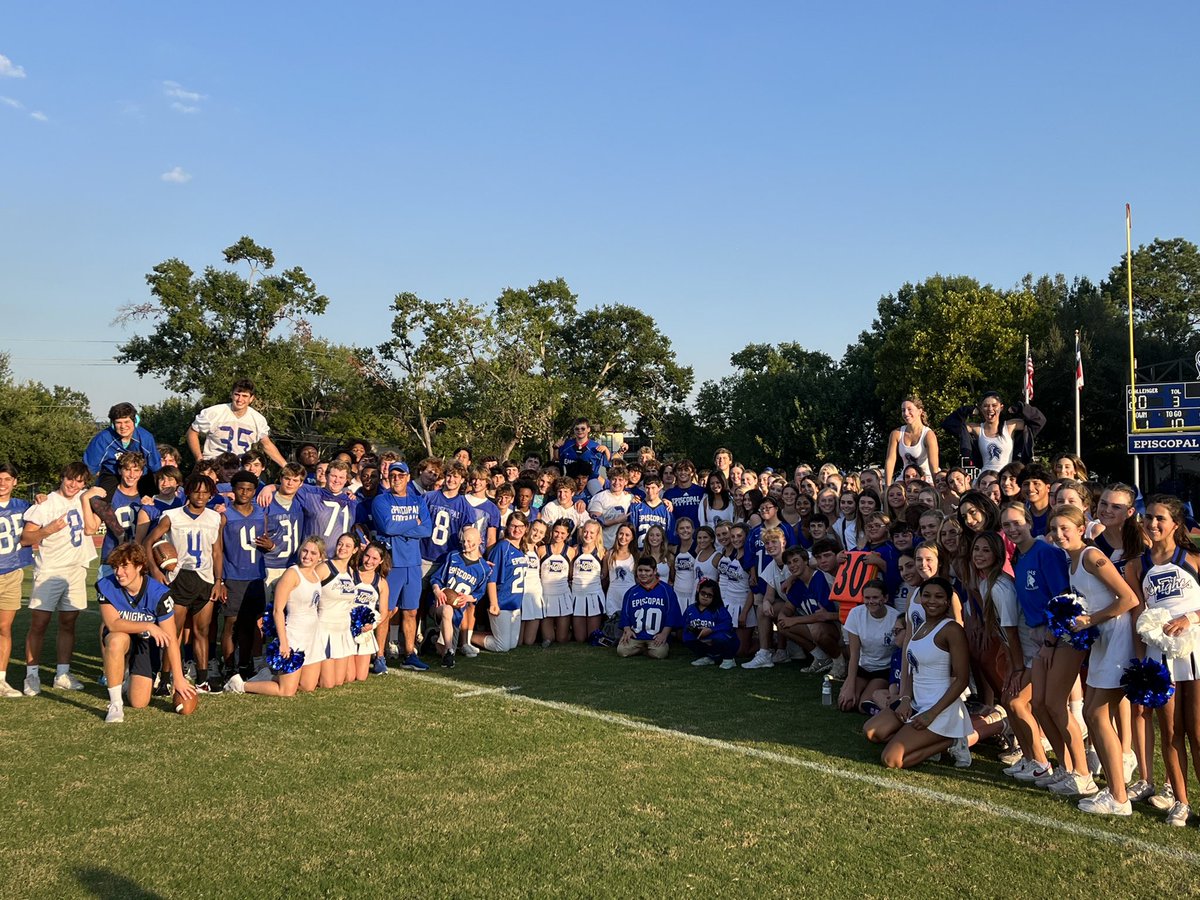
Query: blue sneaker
column 413, row 664
column 380, row 667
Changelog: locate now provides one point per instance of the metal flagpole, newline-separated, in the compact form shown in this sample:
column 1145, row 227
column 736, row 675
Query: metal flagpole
column 1078, row 389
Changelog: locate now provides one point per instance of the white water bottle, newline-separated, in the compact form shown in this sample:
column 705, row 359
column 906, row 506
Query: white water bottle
column 827, row 691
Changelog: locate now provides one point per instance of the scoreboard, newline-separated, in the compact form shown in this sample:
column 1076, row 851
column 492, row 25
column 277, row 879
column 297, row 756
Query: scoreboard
column 1166, row 418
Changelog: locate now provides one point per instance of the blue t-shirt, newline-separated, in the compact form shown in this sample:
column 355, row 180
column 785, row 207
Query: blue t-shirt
column 152, row 604
column 648, row 612
column 686, row 503
column 484, row 516
column 696, row 620
column 588, row 453
column 242, row 560
column 1039, row 524
column 1040, row 573
column 756, row 552
column 447, row 516
column 12, row 522
column 509, row 567
column 401, row 523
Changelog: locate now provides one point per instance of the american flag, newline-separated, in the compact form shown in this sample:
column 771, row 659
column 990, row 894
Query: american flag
column 1078, row 365
column 1028, row 378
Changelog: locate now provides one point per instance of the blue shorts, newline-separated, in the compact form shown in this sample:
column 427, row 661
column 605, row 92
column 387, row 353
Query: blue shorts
column 404, row 587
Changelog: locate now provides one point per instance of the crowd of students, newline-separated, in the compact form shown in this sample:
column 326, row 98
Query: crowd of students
column 220, row 581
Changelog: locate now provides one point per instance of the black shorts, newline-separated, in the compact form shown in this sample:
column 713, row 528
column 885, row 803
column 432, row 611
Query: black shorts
column 145, row 656
column 190, row 591
column 882, row 674
column 247, row 598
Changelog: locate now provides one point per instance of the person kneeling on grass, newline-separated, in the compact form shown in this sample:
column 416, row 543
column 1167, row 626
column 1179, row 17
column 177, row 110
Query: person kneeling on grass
column 139, row 627
column 466, row 573
column 708, row 628
column 649, row 612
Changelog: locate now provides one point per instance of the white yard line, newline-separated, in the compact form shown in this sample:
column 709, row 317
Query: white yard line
column 879, row 781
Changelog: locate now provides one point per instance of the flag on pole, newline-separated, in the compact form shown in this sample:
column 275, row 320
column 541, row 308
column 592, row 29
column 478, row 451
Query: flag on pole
column 1078, row 365
column 1028, row 377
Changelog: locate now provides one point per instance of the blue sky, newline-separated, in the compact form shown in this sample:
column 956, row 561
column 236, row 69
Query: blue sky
column 754, row 173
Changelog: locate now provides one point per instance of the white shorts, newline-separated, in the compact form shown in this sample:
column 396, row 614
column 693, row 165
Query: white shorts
column 558, row 605
column 506, row 631
column 588, row 604
column 64, row 590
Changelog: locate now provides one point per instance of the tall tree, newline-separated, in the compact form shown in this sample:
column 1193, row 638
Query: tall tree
column 44, row 428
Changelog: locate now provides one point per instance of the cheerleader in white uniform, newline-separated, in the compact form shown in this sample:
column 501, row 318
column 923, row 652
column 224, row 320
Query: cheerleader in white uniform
column 1166, row 578
column 587, row 590
column 733, row 575
column 655, row 545
column 1107, row 601
column 938, row 670
column 685, row 564
column 707, row 554
column 297, row 596
column 556, row 586
column 533, row 611
column 337, row 599
column 618, row 569
column 370, row 567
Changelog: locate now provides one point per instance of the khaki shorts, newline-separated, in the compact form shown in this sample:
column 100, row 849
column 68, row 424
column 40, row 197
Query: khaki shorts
column 64, row 590
column 10, row 589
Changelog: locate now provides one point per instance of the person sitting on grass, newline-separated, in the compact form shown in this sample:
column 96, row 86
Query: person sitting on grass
column 814, row 624
column 782, row 571
column 139, row 627
column 649, row 613
column 708, row 628
column 869, row 630
column 466, row 573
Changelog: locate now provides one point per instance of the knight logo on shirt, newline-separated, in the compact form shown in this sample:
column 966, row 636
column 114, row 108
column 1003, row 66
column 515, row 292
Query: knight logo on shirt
column 912, row 663
column 1166, row 586
column 994, row 452
column 1031, row 581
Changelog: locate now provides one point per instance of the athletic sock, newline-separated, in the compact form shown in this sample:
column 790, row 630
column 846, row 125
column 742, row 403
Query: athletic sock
column 394, row 633
column 820, row 654
column 467, row 637
column 62, row 669
column 3, row 675
column 114, row 695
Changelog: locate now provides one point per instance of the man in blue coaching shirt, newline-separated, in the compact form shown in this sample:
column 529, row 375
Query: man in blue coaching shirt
column 649, row 613
column 401, row 519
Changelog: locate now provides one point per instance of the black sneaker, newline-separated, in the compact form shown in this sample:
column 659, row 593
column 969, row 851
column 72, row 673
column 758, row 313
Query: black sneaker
column 448, row 659
column 163, row 688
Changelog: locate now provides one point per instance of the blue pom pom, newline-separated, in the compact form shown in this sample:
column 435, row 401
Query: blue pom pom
column 1148, row 683
column 283, row 665
column 1062, row 611
column 268, row 624
column 362, row 618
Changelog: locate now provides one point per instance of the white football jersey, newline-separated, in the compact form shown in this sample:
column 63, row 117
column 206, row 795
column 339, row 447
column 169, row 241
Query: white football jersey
column 69, row 547
column 226, row 433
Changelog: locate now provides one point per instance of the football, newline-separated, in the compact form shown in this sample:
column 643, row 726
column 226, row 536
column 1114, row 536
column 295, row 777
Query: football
column 165, row 556
column 457, row 600
column 184, row 707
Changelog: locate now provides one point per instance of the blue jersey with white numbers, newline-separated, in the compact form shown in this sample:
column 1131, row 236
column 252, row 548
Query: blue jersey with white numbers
column 243, row 561
column 509, row 566
column 151, row 604
column 811, row 598
column 326, row 514
column 457, row 573
column 285, row 526
column 126, row 509
column 447, row 516
column 12, row 522
column 648, row 612
column 484, row 516
column 642, row 516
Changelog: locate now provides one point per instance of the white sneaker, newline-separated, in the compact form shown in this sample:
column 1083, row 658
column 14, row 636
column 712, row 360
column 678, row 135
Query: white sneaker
column 1103, row 804
column 470, row 651
column 67, row 682
column 393, row 649
column 704, row 661
column 779, row 657
column 1164, row 799
column 1093, row 762
column 1074, row 786
column 116, row 713
column 816, row 667
column 761, row 660
column 1011, row 757
column 839, row 669
column 235, row 685
column 728, row 664
column 1130, row 762
column 1033, row 772
column 1054, row 776
column 960, row 752
column 1021, row 765
column 7, row 690
column 1178, row 815
column 1139, row 790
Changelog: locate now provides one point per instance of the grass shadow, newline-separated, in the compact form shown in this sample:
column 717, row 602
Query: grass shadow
column 110, row 885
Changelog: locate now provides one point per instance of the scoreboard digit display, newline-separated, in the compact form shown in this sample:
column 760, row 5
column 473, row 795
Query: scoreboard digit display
column 1163, row 407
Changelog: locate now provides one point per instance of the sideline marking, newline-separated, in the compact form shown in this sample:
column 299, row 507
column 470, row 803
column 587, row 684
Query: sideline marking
column 481, row 691
column 879, row 781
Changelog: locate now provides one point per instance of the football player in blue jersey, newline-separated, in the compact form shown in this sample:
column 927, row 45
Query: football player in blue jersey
column 126, row 504
column 139, row 630
column 506, row 588
column 465, row 573
column 329, row 511
column 649, row 613
column 484, row 513
column 685, row 495
column 651, row 511
column 14, row 559
column 246, row 543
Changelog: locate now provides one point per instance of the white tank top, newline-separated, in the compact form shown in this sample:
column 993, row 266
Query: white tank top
column 916, row 455
column 337, row 596
column 685, row 577
column 1172, row 585
column 996, row 452
column 734, row 582
column 302, row 602
column 554, row 575
column 620, row 579
column 533, row 575
column 1094, row 593
column 585, row 575
column 706, row 569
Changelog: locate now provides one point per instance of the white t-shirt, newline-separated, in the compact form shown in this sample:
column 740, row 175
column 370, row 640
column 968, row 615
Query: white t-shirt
column 606, row 502
column 226, row 433
column 193, row 538
column 67, row 548
column 775, row 576
column 874, row 636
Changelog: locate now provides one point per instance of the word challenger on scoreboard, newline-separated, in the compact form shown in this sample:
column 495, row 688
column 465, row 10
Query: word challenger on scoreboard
column 1165, row 418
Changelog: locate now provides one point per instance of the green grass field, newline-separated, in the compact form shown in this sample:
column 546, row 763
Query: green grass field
column 591, row 777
